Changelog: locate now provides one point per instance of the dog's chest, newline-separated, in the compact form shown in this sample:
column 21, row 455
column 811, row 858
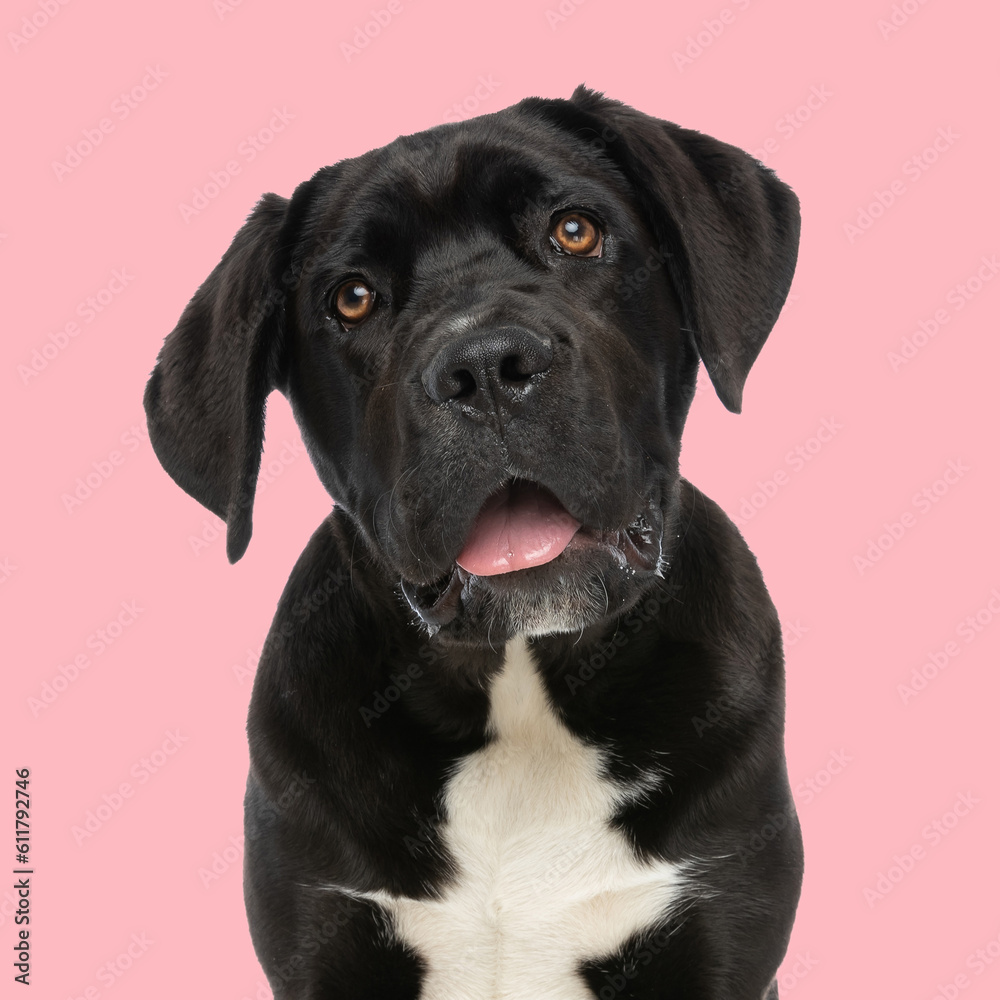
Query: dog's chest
column 543, row 881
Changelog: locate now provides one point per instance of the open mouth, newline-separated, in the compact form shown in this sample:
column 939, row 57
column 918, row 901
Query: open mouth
column 520, row 526
column 523, row 526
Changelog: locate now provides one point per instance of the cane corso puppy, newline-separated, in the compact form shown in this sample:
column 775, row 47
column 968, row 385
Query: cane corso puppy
column 517, row 729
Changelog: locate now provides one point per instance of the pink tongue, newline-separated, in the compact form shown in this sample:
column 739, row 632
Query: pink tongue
column 519, row 527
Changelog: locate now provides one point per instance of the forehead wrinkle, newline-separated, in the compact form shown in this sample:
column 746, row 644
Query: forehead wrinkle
column 464, row 155
column 460, row 176
column 453, row 185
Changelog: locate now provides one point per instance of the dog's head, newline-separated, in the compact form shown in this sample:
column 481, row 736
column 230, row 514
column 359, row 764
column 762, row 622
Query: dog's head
column 489, row 333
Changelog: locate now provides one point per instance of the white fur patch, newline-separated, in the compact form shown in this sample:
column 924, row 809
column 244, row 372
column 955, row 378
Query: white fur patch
column 543, row 882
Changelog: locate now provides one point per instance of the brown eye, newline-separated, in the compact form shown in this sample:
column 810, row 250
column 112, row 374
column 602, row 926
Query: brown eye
column 353, row 302
column 576, row 234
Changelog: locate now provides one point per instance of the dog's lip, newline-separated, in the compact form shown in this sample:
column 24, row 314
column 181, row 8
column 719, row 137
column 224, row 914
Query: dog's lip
column 638, row 543
column 636, row 547
column 437, row 603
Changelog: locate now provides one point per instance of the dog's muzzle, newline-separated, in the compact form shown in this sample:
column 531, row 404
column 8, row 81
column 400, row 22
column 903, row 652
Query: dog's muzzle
column 525, row 541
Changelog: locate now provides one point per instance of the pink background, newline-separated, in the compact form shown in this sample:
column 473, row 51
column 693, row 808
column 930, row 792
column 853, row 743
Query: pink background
column 874, row 768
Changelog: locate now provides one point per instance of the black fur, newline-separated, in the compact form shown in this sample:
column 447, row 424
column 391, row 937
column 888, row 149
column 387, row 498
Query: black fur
column 680, row 662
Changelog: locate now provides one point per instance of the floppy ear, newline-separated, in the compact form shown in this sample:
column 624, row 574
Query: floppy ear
column 730, row 226
column 206, row 397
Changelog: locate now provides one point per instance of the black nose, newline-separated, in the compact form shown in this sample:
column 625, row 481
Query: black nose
column 488, row 370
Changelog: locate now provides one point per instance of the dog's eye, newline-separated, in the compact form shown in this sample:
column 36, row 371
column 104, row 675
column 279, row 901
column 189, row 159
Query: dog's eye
column 353, row 302
column 574, row 233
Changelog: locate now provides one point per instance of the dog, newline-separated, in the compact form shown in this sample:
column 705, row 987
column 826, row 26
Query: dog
column 517, row 728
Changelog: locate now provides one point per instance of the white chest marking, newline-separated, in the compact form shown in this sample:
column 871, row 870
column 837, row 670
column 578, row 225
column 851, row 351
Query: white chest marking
column 543, row 881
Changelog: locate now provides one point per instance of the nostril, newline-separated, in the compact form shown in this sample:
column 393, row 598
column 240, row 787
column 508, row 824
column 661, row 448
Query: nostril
column 450, row 383
column 512, row 369
column 465, row 383
column 525, row 358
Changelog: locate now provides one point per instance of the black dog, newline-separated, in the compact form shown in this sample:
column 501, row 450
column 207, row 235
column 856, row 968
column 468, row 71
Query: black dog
column 517, row 731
